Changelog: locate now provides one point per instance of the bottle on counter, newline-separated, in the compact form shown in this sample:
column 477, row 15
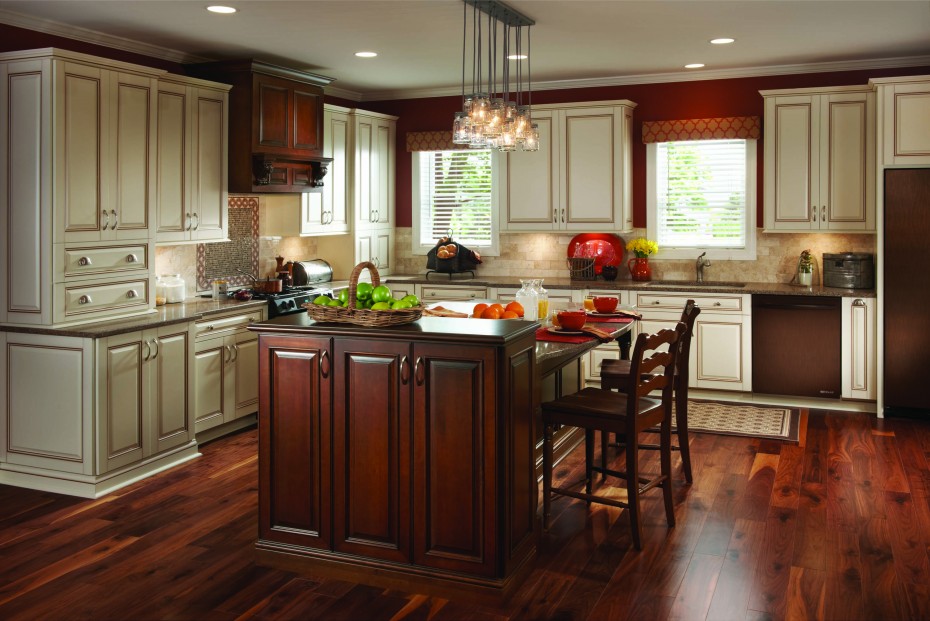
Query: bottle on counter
column 160, row 297
column 220, row 289
column 526, row 296
column 542, row 301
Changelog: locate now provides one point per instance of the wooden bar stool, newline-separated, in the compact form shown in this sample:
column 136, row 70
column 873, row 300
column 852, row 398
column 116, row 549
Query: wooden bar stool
column 615, row 376
column 629, row 413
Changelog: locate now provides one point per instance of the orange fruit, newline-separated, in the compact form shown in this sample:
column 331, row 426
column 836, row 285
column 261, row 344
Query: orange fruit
column 490, row 313
column 510, row 315
column 515, row 307
column 479, row 308
column 499, row 307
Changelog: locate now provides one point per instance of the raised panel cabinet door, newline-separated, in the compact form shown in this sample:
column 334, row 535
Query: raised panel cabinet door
column 383, row 247
column 312, row 215
column 209, row 209
column 335, row 193
column 532, row 201
column 363, row 165
column 383, row 170
column 122, row 400
column 81, row 182
column 847, row 162
column 718, row 349
column 907, row 123
column 170, row 356
column 371, row 448
column 132, row 155
column 307, row 123
column 245, row 357
column 792, row 135
column 364, row 249
column 172, row 161
column 454, row 457
column 859, row 352
column 271, row 113
column 295, row 457
column 210, row 383
column 590, row 158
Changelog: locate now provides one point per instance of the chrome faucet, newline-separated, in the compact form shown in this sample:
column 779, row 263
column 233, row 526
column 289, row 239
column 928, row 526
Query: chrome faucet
column 699, row 266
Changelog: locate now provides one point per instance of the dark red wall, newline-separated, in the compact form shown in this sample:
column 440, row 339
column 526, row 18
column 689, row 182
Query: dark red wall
column 655, row 102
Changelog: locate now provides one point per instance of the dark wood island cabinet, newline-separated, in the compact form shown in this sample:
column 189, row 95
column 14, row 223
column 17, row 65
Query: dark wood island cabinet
column 400, row 455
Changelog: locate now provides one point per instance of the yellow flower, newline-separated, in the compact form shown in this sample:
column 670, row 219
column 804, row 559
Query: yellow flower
column 642, row 247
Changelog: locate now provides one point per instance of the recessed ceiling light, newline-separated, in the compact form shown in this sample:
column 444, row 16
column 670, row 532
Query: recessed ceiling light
column 694, row 66
column 722, row 41
column 517, row 57
column 221, row 9
column 366, row 54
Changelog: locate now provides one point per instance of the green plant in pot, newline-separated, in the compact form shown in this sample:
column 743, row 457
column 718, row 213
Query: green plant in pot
column 805, row 269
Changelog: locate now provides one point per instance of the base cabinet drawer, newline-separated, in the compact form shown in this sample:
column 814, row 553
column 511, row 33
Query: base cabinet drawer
column 434, row 293
column 84, row 262
column 92, row 300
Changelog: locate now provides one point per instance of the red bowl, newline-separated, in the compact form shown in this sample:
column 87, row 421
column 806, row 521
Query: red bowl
column 605, row 304
column 572, row 320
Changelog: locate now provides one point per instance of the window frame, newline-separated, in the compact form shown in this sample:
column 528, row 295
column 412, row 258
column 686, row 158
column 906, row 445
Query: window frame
column 722, row 254
column 496, row 177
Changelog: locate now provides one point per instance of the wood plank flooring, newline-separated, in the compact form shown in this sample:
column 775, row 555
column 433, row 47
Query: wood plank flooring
column 837, row 528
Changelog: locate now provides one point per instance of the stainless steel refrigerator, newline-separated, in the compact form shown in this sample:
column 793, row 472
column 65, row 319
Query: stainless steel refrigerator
column 906, row 273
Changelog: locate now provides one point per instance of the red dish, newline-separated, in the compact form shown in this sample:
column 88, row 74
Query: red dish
column 606, row 248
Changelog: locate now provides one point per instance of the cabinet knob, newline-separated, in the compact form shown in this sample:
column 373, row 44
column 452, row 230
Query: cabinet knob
column 858, row 302
column 84, row 299
column 115, row 219
column 84, row 261
column 657, row 302
column 132, row 293
column 717, row 304
column 132, row 258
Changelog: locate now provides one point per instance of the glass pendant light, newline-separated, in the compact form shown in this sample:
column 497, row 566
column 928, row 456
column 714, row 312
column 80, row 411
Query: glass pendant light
column 531, row 138
column 460, row 133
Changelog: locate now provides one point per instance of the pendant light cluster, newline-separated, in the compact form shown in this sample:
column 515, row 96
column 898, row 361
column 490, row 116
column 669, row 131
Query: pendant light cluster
column 492, row 116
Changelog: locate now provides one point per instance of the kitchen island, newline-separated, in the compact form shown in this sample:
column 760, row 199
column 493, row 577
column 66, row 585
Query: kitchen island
column 403, row 455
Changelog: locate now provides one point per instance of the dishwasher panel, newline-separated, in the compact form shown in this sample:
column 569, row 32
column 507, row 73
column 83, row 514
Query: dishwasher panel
column 796, row 345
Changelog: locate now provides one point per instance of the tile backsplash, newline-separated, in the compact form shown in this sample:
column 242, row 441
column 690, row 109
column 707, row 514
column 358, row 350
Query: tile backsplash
column 544, row 255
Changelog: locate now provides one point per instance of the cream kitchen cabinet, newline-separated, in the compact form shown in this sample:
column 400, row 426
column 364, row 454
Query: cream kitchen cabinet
column 820, row 159
column 84, row 416
column 372, row 144
column 144, row 393
column 377, row 247
column 437, row 293
column 593, row 359
column 721, row 346
column 859, row 349
column 191, row 170
column 581, row 176
column 225, row 369
column 81, row 186
column 904, row 114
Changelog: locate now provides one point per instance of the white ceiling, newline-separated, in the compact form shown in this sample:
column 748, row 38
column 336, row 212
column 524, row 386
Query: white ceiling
column 575, row 42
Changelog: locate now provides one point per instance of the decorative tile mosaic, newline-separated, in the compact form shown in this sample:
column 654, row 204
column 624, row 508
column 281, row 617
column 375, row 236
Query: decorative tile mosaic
column 240, row 253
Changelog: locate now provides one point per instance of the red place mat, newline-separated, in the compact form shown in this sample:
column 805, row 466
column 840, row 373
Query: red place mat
column 543, row 334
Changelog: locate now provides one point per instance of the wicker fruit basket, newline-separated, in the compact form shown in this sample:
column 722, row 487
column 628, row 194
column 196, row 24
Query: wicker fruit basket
column 363, row 316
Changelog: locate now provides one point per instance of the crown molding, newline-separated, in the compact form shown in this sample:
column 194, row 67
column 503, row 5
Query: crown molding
column 86, row 35
column 335, row 91
column 678, row 76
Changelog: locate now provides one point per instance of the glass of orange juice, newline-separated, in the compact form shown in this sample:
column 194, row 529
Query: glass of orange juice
column 543, row 310
column 589, row 303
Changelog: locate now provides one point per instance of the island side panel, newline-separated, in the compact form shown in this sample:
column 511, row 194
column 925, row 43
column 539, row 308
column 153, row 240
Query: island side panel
column 294, row 440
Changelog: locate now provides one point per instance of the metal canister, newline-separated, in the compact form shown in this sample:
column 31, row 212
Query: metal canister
column 220, row 288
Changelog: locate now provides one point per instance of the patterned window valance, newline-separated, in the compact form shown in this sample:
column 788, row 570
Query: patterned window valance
column 702, row 129
column 432, row 141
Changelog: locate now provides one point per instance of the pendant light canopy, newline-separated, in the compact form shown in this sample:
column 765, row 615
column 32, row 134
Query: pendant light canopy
column 492, row 116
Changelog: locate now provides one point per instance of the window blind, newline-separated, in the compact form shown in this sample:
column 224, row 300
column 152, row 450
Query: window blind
column 701, row 194
column 455, row 195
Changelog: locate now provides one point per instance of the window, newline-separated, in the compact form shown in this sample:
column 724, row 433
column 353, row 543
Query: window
column 701, row 196
column 454, row 191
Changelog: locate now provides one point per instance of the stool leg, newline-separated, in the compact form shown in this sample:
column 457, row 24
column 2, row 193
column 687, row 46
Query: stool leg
column 665, row 460
column 605, row 435
column 681, row 422
column 632, row 490
column 547, row 474
column 588, row 460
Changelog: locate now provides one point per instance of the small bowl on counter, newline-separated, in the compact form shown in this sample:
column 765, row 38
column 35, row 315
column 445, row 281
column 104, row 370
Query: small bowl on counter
column 572, row 320
column 605, row 304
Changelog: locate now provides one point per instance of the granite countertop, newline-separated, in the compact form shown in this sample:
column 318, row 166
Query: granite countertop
column 191, row 309
column 770, row 288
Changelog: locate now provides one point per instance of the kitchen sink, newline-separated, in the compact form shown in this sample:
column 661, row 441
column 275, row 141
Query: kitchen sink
column 694, row 283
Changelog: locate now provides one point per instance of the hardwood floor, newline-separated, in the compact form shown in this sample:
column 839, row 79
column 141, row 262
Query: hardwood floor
column 837, row 528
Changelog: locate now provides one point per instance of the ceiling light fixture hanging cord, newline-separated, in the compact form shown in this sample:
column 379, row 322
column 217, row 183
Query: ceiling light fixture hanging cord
column 464, row 40
column 529, row 66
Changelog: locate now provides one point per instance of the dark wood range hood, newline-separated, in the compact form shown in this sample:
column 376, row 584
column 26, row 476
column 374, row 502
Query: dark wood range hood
column 275, row 126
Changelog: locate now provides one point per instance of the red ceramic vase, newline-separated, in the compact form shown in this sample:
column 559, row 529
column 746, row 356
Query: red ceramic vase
column 639, row 268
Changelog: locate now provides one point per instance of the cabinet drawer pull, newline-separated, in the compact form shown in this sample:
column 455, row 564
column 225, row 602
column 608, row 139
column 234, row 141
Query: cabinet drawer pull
column 115, row 219
column 324, row 363
column 555, row 215
column 197, row 225
column 106, row 223
column 148, row 350
column 227, row 353
column 418, row 373
column 132, row 293
column 858, row 302
column 404, row 370
column 84, row 299
column 155, row 346
column 131, row 258
column 236, row 353
column 813, row 213
column 187, row 218
column 85, row 261
column 823, row 213
column 563, row 214
column 717, row 304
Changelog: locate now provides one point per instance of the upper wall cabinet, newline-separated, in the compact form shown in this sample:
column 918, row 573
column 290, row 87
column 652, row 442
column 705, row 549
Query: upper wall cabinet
column 276, row 136
column 580, row 179
column 191, row 161
column 904, row 108
column 77, row 188
column 820, row 159
column 373, row 169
